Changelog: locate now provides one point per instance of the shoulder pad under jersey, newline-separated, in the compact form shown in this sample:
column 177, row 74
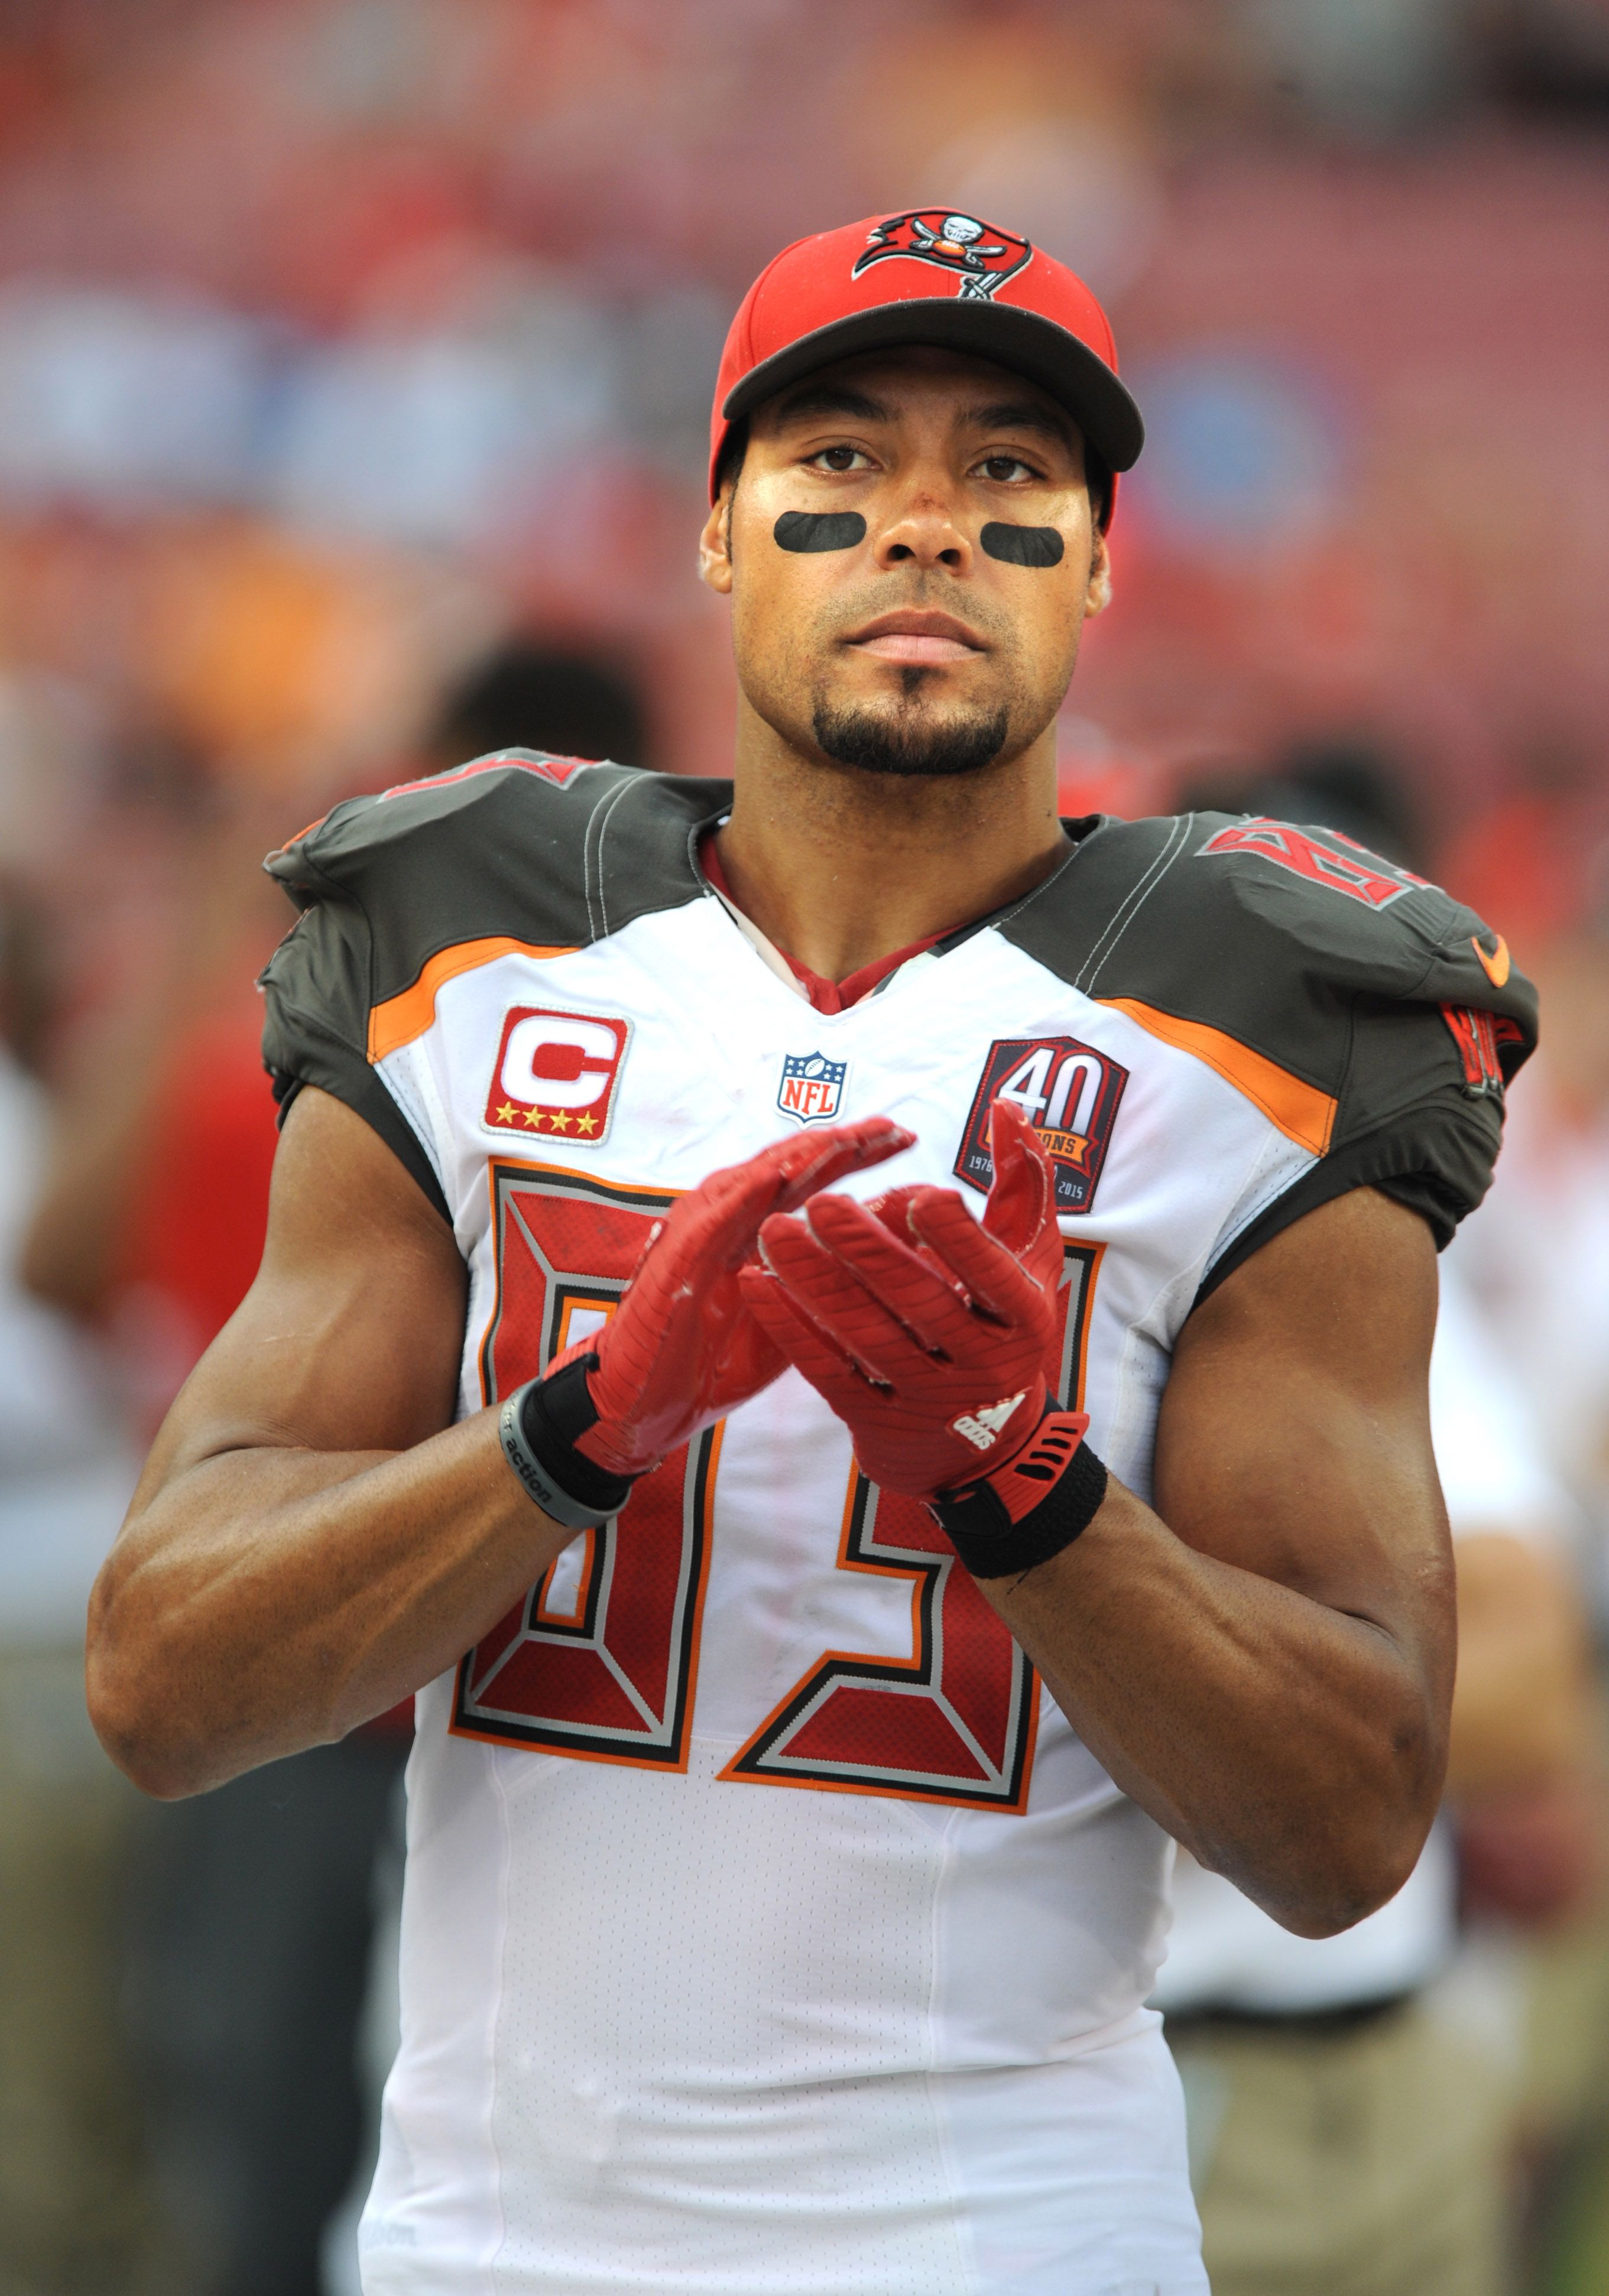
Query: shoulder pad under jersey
column 1374, row 1018
column 561, row 849
column 540, row 852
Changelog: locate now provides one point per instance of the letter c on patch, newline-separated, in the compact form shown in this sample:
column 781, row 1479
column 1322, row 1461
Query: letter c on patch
column 587, row 1050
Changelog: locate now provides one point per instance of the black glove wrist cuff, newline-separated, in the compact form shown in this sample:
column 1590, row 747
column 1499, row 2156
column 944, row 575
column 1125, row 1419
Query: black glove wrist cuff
column 982, row 1533
column 538, row 1428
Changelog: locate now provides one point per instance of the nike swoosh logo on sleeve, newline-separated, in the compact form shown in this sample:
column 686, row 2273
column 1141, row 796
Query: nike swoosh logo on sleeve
column 1496, row 967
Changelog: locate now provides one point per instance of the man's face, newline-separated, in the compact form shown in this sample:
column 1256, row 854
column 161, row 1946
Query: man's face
column 913, row 647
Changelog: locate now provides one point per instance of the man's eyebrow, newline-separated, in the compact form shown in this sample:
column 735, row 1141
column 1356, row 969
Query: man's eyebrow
column 1021, row 414
column 813, row 400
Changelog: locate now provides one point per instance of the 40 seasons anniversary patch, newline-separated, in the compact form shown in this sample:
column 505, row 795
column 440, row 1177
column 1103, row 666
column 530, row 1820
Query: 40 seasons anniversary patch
column 1068, row 1091
column 556, row 1073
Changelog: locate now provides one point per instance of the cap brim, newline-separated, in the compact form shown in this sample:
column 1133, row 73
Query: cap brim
column 1046, row 354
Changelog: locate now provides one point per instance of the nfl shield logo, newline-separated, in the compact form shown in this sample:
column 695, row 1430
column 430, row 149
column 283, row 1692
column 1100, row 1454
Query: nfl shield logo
column 811, row 1087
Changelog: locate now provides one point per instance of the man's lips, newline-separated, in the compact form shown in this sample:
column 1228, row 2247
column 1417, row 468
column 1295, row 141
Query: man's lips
column 917, row 636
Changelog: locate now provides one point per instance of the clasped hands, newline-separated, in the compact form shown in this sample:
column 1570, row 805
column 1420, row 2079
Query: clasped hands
column 930, row 1334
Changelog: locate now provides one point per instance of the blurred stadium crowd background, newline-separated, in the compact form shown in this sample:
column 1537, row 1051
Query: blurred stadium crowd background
column 355, row 362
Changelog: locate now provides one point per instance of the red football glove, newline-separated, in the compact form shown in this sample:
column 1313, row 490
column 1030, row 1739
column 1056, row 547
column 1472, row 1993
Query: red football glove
column 681, row 1349
column 932, row 1337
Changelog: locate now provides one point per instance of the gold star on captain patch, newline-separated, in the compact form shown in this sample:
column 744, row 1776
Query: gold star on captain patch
column 587, row 1124
column 559, row 1120
column 504, row 1112
column 533, row 1117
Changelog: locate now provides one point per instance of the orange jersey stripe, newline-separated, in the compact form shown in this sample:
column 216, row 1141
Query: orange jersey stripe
column 409, row 1014
column 1302, row 1111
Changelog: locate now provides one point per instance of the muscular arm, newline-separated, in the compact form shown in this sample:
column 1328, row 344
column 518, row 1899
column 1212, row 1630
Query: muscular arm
column 312, row 1538
column 1265, row 1662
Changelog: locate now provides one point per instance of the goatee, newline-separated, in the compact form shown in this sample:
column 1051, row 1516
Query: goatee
column 901, row 741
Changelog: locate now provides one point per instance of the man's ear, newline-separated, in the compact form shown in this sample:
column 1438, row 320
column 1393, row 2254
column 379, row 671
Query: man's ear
column 715, row 545
column 1097, row 595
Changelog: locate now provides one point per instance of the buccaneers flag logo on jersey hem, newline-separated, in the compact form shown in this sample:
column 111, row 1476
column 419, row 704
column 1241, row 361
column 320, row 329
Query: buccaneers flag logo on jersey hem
column 980, row 256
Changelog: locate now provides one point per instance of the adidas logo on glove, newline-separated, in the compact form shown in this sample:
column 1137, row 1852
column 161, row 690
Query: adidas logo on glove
column 982, row 1429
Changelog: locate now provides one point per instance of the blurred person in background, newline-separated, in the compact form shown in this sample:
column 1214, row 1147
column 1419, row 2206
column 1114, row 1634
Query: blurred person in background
column 1538, row 1261
column 524, row 694
column 1348, row 2134
column 248, row 1912
column 1541, row 1258
column 255, row 1906
column 75, row 2218
column 1351, row 2134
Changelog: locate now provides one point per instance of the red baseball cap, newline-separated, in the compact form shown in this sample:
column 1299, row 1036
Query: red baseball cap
column 929, row 276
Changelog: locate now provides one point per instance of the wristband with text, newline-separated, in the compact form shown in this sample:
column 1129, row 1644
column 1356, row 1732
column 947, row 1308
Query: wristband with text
column 1030, row 1508
column 538, row 1428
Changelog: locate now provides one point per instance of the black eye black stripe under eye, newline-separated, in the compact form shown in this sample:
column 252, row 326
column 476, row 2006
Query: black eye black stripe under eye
column 1023, row 545
column 819, row 529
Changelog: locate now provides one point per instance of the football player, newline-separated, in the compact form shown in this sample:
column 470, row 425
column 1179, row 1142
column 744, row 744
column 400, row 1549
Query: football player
column 864, row 1349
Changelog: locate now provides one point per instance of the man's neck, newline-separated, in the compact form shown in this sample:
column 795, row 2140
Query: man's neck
column 839, row 868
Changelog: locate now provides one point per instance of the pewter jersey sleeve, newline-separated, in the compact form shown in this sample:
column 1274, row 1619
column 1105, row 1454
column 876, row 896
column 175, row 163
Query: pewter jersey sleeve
column 767, row 1928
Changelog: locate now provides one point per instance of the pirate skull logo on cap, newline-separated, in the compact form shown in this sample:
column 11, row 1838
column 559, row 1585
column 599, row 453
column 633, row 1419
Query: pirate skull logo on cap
column 984, row 257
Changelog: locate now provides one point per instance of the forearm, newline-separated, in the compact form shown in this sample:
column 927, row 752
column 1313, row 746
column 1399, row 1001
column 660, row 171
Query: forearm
column 311, row 1541
column 1266, row 1666
column 270, row 1599
column 1295, row 1748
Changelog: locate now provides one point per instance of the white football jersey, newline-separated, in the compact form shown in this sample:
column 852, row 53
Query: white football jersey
column 767, row 1928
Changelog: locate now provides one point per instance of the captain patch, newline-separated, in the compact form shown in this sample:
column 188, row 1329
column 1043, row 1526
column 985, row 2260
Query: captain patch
column 556, row 1073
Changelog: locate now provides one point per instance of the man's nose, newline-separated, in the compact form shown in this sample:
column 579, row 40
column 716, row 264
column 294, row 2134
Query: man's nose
column 923, row 528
